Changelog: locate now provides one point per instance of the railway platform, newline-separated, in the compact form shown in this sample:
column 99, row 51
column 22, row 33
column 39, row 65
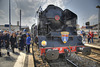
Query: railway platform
column 17, row 59
column 93, row 45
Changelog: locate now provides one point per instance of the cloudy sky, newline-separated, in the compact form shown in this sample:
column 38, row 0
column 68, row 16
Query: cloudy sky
column 85, row 9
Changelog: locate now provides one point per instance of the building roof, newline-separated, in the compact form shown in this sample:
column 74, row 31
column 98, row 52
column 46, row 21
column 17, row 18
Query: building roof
column 24, row 26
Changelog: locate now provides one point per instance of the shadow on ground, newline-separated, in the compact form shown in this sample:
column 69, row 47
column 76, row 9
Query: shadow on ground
column 9, row 58
column 16, row 53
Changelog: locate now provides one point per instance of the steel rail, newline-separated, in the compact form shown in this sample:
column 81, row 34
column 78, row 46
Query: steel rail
column 96, row 53
column 72, row 63
column 93, row 58
column 90, row 57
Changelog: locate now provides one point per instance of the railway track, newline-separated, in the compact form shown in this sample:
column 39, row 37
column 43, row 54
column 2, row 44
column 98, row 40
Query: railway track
column 37, row 59
column 95, row 55
column 73, row 64
column 95, row 51
column 61, row 62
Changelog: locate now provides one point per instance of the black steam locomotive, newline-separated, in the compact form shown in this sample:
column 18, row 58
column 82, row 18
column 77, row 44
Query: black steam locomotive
column 56, row 33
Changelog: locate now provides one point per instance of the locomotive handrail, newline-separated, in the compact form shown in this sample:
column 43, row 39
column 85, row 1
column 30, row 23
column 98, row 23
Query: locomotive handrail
column 38, row 11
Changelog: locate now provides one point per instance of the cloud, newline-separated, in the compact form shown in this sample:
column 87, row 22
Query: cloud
column 93, row 17
column 28, row 8
column 29, row 21
column 2, row 14
column 58, row 3
column 17, row 12
column 30, row 1
column 3, row 18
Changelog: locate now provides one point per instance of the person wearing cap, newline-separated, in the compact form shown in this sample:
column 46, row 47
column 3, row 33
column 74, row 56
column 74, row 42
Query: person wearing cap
column 28, row 39
column 22, row 41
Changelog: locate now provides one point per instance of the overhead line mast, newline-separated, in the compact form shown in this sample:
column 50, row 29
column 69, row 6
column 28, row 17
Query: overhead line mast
column 9, row 15
column 98, row 20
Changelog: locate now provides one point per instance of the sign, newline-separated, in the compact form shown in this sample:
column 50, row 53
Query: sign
column 79, row 32
column 64, row 36
column 87, row 23
column 57, row 17
column 89, row 27
column 6, row 25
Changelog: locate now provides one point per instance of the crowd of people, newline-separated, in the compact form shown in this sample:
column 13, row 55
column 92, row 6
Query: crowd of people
column 14, row 40
column 89, row 36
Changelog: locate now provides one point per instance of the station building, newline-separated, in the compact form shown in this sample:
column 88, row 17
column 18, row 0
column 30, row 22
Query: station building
column 94, row 28
column 13, row 27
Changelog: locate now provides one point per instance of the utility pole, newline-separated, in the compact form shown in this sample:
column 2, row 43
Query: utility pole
column 20, row 19
column 98, row 20
column 9, row 16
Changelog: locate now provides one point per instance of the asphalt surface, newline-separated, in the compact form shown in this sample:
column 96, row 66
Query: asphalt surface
column 9, row 61
column 17, row 59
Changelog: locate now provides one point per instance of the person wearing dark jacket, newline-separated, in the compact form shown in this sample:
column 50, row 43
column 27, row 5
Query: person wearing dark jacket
column 22, row 42
column 6, row 38
column 18, row 37
column 89, row 37
column 84, row 35
column 13, row 41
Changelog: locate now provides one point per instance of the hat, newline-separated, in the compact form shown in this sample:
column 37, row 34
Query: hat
column 27, row 34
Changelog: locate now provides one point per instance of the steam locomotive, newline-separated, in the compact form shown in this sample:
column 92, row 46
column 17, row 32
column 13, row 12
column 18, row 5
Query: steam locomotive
column 56, row 33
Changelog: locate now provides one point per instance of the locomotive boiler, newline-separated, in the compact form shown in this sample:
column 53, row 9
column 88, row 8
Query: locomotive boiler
column 57, row 33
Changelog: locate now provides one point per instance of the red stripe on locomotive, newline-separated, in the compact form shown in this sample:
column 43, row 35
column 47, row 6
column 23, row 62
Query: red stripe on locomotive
column 61, row 49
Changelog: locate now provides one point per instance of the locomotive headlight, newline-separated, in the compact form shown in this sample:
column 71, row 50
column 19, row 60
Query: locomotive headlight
column 43, row 43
